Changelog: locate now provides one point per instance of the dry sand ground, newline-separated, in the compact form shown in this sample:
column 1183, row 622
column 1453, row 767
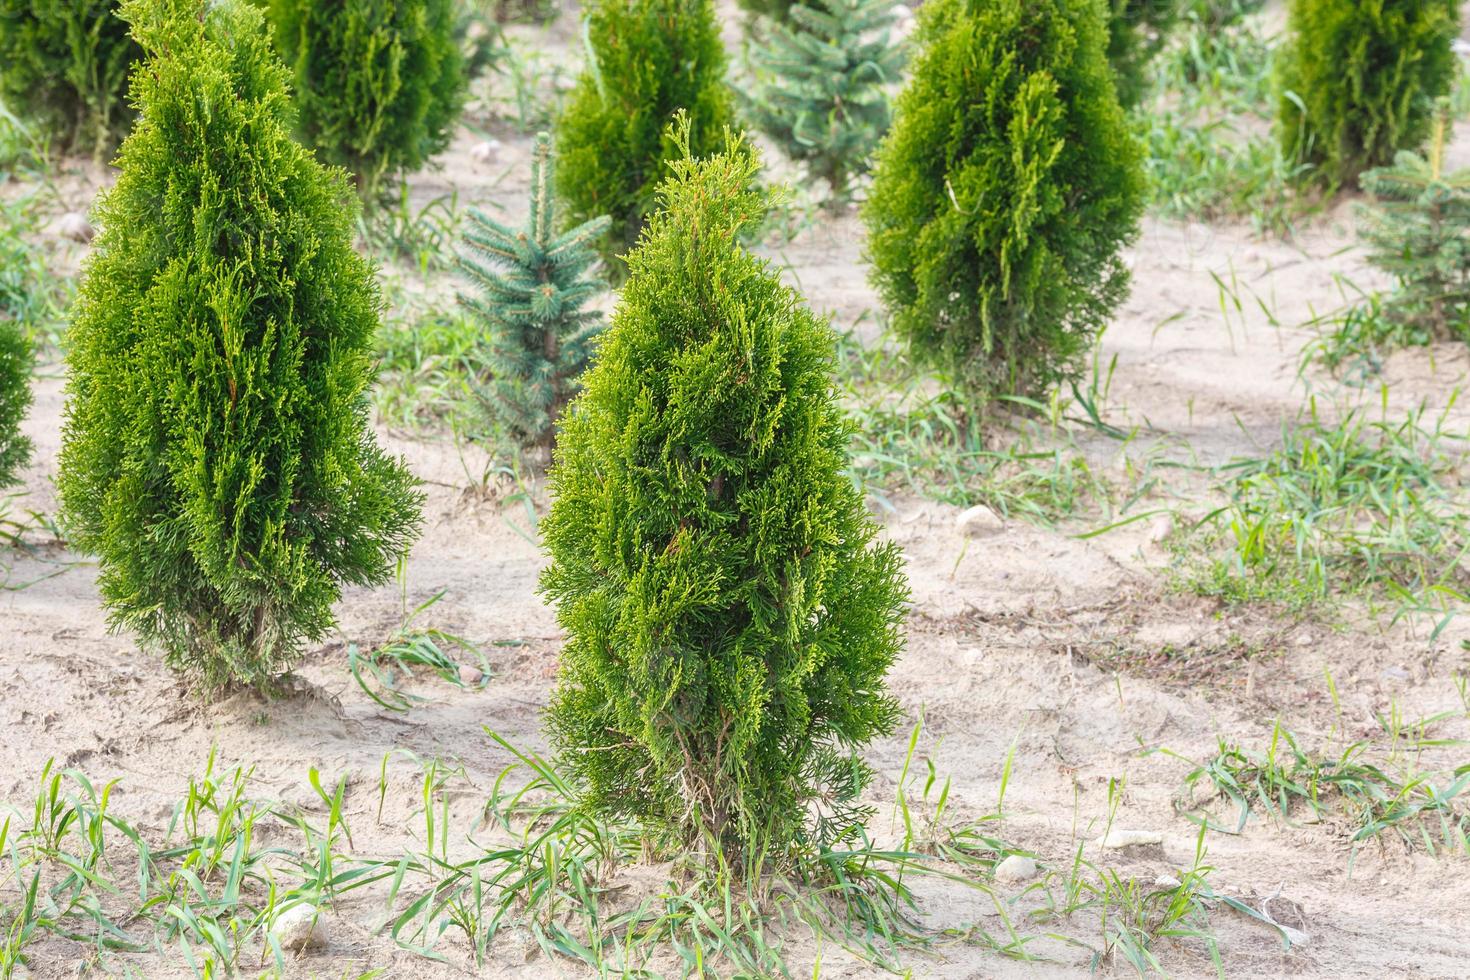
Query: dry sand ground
column 1024, row 636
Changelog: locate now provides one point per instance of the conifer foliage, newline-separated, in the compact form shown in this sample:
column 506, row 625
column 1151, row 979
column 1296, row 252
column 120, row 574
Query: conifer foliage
column 533, row 286
column 820, row 84
column 1359, row 79
column 1137, row 31
column 647, row 59
column 15, row 397
column 379, row 85
column 1003, row 193
column 216, row 454
column 729, row 617
column 775, row 9
column 22, row 275
column 1415, row 231
column 66, row 64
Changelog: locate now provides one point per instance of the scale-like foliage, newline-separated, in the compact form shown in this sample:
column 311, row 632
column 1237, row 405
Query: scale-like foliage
column 533, row 286
column 820, row 84
column 647, row 59
column 66, row 64
column 1136, row 32
column 1415, row 231
column 15, row 398
column 1003, row 193
column 1359, row 79
column 729, row 617
column 378, row 85
column 25, row 298
column 217, row 456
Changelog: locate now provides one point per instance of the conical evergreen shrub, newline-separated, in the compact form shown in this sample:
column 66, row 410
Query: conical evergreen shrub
column 23, row 299
column 216, row 454
column 1359, row 79
column 1003, row 193
column 1414, row 230
column 820, row 85
column 379, row 85
column 647, row 59
column 729, row 617
column 533, row 286
column 1137, row 31
column 15, row 397
column 65, row 63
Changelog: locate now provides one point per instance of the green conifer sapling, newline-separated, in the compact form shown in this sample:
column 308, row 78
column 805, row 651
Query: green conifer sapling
column 533, row 286
column 216, row 453
column 647, row 59
column 820, row 84
column 729, row 617
column 378, row 85
column 1003, row 193
column 1359, row 79
column 65, row 63
column 1415, row 231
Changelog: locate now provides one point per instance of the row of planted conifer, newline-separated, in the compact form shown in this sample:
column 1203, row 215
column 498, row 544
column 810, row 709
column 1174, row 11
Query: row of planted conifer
column 729, row 614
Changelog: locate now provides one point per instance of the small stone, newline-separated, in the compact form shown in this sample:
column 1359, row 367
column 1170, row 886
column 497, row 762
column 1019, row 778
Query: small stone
column 1165, row 883
column 299, row 928
column 485, row 152
column 1305, row 640
column 1016, row 868
column 979, row 519
column 1396, row 673
column 1117, row 839
column 75, row 226
column 1161, row 528
column 470, row 675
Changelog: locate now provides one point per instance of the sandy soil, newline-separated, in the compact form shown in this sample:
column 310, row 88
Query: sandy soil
column 1023, row 637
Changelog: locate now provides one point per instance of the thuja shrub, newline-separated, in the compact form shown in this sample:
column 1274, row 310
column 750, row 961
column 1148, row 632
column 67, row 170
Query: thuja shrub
column 24, row 300
column 729, row 617
column 647, row 59
column 66, row 64
column 821, row 82
column 1359, row 79
column 1004, row 192
column 378, row 85
column 533, row 287
column 15, row 397
column 216, row 451
column 1137, row 30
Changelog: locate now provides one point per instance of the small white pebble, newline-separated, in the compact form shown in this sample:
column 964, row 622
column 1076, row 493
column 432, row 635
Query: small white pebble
column 1016, row 868
column 300, row 927
column 485, row 152
column 979, row 519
